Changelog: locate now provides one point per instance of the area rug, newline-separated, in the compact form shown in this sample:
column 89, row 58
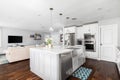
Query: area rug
column 3, row 59
column 82, row 73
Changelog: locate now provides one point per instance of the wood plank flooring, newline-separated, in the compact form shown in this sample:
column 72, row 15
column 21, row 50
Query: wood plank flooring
column 102, row 70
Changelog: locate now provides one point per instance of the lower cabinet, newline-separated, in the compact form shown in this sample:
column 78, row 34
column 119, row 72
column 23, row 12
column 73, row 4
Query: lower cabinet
column 78, row 60
column 93, row 55
column 44, row 64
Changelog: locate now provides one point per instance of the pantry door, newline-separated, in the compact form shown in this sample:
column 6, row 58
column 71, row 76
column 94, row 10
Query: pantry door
column 108, row 42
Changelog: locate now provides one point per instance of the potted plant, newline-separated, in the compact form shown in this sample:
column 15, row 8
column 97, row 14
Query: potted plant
column 49, row 43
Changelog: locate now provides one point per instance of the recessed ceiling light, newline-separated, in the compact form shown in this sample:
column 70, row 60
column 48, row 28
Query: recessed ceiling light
column 60, row 14
column 51, row 8
column 74, row 18
column 42, row 27
column 99, row 8
column 67, row 17
column 38, row 14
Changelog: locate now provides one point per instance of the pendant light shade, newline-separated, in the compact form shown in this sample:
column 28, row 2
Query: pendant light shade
column 51, row 26
column 51, row 29
column 61, row 31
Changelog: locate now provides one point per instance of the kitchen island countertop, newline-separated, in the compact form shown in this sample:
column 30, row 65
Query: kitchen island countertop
column 54, row 50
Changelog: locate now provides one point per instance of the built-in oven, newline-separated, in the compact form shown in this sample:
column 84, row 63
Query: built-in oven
column 90, row 47
column 90, row 42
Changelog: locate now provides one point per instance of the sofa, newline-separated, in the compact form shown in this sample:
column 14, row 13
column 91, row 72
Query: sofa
column 14, row 54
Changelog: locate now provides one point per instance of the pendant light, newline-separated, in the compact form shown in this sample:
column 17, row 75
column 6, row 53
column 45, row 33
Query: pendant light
column 66, row 22
column 60, row 31
column 51, row 28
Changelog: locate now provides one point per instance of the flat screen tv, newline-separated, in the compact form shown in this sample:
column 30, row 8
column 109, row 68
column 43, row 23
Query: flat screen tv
column 14, row 39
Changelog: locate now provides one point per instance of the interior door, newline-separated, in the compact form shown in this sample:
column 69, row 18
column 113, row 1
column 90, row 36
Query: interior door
column 108, row 42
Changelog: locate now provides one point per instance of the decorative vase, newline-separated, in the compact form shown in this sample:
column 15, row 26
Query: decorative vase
column 49, row 45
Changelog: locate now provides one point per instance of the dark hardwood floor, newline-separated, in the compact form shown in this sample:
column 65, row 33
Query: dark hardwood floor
column 102, row 70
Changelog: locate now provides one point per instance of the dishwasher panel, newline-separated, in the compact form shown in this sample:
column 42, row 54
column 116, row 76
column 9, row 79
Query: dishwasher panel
column 66, row 65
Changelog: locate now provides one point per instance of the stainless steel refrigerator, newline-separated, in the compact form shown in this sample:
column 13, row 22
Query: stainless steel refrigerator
column 69, row 39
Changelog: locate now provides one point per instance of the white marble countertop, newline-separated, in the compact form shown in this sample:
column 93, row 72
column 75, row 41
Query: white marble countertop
column 76, row 46
column 54, row 50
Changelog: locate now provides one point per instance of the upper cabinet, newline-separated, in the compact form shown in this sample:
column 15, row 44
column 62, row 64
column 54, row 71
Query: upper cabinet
column 70, row 30
column 80, row 32
column 91, row 28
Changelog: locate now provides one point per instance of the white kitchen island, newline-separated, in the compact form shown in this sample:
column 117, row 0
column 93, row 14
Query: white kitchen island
column 51, row 64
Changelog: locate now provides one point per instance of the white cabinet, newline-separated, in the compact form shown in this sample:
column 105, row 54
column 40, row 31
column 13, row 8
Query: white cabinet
column 51, row 64
column 78, row 58
column 93, row 55
column 80, row 33
column 90, row 28
column 70, row 30
column 106, row 37
column 86, row 28
column 94, row 28
column 44, row 64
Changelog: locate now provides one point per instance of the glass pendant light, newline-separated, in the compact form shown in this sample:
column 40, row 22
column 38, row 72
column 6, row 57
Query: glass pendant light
column 60, row 31
column 51, row 28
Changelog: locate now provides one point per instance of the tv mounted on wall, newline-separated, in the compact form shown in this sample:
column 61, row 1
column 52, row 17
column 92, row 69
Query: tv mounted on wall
column 14, row 39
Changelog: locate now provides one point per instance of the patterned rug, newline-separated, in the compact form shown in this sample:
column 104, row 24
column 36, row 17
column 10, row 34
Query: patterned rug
column 3, row 59
column 82, row 73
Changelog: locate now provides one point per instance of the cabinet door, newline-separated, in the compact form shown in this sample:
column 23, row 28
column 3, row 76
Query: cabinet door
column 81, row 60
column 86, row 28
column 32, row 60
column 93, row 55
column 70, row 30
column 93, row 28
column 41, row 62
column 37, row 64
column 75, row 63
column 66, row 30
column 80, row 33
column 47, row 66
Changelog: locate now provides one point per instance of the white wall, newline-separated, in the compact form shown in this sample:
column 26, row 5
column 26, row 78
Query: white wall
column 18, row 32
column 112, row 21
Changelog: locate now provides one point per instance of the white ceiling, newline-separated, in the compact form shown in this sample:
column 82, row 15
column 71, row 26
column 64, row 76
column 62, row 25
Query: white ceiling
column 35, row 14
